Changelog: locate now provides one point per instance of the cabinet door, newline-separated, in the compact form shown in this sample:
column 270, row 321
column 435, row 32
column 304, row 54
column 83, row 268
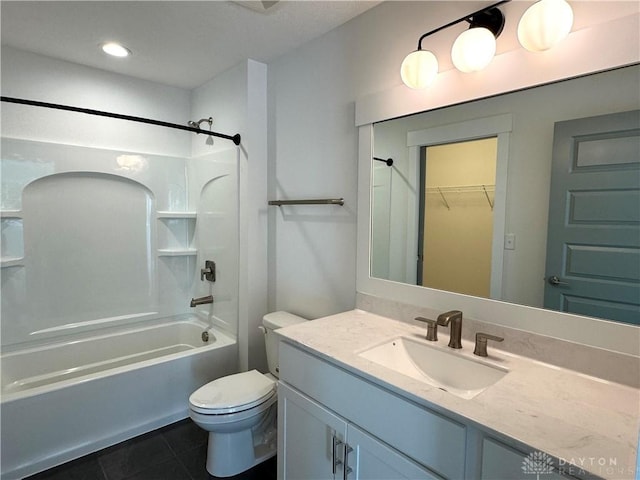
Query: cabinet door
column 306, row 436
column 370, row 459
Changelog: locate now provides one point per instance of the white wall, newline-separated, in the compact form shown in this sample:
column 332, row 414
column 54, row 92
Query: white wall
column 313, row 141
column 35, row 77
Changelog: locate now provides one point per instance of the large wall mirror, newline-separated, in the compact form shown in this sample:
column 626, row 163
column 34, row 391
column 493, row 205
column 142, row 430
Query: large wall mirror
column 521, row 102
column 465, row 206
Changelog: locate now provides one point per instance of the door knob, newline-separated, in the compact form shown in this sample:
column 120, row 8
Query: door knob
column 555, row 281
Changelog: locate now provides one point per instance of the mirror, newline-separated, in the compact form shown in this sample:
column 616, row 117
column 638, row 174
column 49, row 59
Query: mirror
column 518, row 201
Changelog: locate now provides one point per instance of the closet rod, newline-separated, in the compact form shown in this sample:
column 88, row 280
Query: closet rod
column 320, row 201
column 234, row 138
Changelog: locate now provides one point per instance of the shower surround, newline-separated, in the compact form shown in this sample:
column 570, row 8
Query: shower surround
column 102, row 248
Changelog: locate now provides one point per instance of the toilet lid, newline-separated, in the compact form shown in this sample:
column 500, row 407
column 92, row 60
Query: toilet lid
column 233, row 393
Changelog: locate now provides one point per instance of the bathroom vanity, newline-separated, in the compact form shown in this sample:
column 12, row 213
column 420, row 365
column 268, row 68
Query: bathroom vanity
column 347, row 408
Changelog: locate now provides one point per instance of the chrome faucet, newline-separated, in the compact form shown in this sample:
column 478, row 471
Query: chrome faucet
column 454, row 317
column 201, row 300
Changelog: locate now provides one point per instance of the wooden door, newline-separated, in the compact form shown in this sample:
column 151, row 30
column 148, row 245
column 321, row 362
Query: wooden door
column 593, row 244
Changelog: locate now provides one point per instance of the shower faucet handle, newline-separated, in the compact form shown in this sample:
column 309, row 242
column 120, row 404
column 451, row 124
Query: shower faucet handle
column 209, row 271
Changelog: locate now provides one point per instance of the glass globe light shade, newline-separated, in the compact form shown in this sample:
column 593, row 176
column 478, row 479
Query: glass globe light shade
column 419, row 69
column 544, row 24
column 473, row 50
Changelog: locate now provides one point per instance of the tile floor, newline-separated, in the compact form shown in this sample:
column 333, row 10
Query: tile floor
column 175, row 452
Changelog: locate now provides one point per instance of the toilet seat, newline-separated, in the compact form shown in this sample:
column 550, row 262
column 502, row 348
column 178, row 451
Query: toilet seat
column 233, row 393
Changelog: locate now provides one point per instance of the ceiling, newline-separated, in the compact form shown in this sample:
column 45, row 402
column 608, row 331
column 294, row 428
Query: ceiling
column 178, row 43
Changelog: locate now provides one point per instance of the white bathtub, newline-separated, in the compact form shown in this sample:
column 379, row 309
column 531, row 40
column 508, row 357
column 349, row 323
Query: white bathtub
column 65, row 400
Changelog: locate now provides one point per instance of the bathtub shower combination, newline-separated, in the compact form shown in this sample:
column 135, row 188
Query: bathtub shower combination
column 101, row 255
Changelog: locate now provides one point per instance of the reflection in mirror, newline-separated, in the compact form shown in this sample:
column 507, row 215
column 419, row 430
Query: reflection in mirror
column 455, row 215
column 407, row 207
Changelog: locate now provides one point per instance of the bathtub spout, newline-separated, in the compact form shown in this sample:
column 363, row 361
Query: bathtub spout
column 201, row 300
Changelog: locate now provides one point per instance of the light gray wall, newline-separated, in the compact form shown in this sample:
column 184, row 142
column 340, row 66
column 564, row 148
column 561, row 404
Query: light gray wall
column 313, row 151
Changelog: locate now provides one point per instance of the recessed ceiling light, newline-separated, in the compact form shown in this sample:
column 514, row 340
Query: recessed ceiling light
column 115, row 49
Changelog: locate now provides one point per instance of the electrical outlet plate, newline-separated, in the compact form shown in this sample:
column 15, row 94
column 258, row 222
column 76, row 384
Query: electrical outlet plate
column 510, row 241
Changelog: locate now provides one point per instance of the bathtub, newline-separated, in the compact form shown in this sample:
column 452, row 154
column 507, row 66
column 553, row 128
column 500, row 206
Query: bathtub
column 64, row 400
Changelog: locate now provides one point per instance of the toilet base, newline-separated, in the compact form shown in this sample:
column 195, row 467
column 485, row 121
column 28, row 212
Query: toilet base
column 232, row 453
column 228, row 455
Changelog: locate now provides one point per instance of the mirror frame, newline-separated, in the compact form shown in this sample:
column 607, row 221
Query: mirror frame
column 595, row 49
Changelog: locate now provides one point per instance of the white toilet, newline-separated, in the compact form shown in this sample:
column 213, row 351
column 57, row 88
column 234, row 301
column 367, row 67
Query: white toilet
column 239, row 411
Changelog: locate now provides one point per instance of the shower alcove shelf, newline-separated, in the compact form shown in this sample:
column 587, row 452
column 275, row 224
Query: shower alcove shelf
column 176, row 236
column 12, row 242
column 176, row 232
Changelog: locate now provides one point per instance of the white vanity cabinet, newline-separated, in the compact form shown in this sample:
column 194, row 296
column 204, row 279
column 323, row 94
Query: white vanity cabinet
column 318, row 444
column 390, row 437
column 330, row 418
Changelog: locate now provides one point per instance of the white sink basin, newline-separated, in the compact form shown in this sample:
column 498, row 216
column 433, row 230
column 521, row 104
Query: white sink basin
column 437, row 366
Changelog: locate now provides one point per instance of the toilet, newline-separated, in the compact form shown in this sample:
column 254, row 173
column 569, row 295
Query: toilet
column 239, row 411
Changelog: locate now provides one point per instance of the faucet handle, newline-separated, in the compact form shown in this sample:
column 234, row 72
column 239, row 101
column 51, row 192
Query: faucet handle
column 432, row 328
column 209, row 271
column 481, row 343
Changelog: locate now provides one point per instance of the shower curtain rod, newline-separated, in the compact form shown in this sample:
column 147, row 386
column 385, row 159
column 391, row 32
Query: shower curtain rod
column 234, row 138
column 388, row 161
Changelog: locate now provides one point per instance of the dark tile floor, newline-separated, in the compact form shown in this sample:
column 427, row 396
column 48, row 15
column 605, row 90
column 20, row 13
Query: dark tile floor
column 174, row 452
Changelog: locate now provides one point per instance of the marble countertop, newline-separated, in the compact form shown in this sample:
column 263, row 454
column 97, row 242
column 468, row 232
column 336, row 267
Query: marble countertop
column 584, row 421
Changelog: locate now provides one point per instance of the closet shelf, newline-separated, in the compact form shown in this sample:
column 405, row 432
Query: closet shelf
column 442, row 190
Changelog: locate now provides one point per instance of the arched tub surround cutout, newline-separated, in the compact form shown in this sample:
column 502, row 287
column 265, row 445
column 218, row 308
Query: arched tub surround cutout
column 90, row 254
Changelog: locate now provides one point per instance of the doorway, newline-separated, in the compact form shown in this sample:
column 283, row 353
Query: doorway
column 457, row 195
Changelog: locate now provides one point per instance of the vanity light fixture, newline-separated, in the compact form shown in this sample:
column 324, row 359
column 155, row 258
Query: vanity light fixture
column 472, row 50
column 544, row 24
column 115, row 49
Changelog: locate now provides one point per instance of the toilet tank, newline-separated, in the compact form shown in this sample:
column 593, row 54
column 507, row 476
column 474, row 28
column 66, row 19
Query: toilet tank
column 271, row 322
